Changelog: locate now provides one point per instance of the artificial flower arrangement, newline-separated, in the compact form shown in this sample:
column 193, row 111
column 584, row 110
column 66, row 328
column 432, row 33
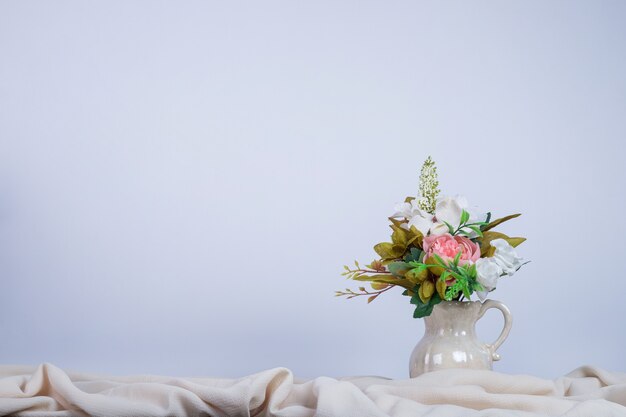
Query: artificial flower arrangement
column 440, row 249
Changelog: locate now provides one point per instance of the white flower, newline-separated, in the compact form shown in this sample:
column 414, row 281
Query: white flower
column 488, row 271
column 506, row 257
column 505, row 261
column 406, row 210
column 417, row 217
column 448, row 210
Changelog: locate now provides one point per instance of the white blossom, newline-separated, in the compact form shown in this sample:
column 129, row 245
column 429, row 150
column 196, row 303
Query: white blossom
column 506, row 257
column 488, row 271
column 417, row 217
column 448, row 210
column 505, row 261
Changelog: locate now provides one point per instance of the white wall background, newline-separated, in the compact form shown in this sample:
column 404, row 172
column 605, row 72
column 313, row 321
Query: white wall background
column 181, row 182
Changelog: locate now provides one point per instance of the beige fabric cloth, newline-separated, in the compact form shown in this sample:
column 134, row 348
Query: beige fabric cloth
column 49, row 391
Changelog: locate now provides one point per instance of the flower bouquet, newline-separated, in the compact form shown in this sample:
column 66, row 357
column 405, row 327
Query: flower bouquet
column 440, row 249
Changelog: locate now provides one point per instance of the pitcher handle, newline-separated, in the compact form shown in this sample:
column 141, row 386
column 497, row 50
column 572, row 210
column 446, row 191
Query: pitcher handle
column 508, row 322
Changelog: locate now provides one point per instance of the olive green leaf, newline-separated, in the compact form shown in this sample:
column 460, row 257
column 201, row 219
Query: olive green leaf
column 417, row 275
column 404, row 236
column 388, row 279
column 486, row 250
column 400, row 236
column 427, row 289
column 441, row 286
column 500, row 221
column 435, row 267
column 396, row 222
column 379, row 285
column 387, row 250
column 417, row 238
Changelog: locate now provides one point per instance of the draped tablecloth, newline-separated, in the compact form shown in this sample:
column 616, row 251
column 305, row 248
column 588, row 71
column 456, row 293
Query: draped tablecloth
column 46, row 390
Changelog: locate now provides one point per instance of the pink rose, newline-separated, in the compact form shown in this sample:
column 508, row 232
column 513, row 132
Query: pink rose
column 447, row 247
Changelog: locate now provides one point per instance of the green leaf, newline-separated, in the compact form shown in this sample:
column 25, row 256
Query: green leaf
column 444, row 275
column 466, row 291
column 453, row 290
column 477, row 230
column 470, row 270
column 457, row 258
column 464, row 216
column 421, row 309
column 440, row 261
column 450, row 228
column 424, row 309
column 479, row 223
column 413, row 255
column 456, row 275
column 398, row 268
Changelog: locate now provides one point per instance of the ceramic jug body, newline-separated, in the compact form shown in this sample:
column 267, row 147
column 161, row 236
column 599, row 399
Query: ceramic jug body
column 450, row 339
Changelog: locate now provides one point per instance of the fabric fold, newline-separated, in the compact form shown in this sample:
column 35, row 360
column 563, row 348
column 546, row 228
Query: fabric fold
column 46, row 390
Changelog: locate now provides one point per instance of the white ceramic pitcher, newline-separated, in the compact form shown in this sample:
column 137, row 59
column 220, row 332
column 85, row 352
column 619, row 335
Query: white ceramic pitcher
column 450, row 338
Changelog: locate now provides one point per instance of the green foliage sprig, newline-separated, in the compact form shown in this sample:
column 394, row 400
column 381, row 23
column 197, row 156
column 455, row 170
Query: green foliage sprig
column 476, row 227
column 460, row 280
